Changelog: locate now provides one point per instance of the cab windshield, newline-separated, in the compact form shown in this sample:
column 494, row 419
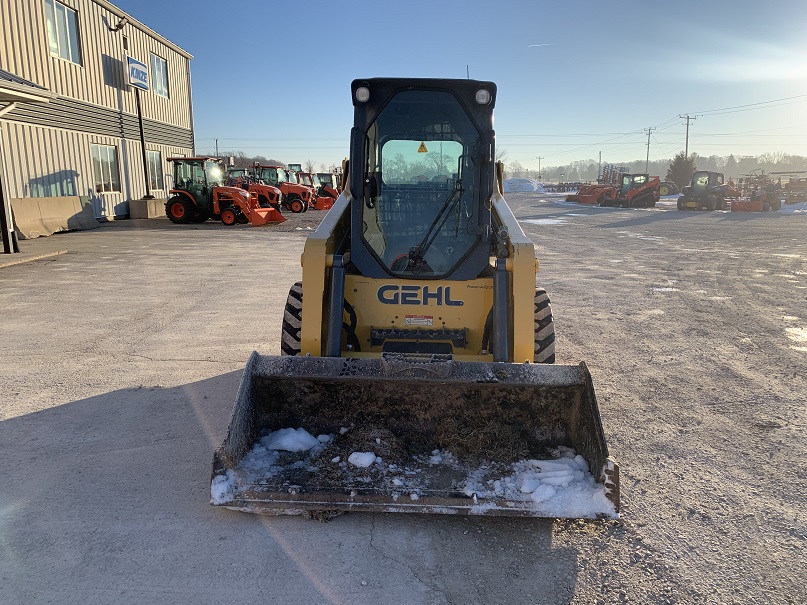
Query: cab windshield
column 422, row 173
column 273, row 176
column 632, row 181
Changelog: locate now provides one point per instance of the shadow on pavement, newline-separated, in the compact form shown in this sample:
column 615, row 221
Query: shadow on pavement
column 106, row 499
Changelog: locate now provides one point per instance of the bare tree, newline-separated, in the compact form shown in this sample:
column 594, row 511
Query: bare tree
column 309, row 166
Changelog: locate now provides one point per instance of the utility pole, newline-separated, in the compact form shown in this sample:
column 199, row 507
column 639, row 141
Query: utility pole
column 539, row 167
column 647, row 161
column 599, row 169
column 688, row 118
column 217, row 148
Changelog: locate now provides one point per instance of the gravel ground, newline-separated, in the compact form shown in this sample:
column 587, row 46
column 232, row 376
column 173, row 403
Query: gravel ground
column 119, row 362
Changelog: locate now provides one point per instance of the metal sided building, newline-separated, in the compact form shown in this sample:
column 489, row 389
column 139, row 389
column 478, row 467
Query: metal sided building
column 68, row 114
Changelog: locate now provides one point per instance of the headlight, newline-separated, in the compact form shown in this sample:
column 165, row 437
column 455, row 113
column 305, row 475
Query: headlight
column 483, row 96
column 362, row 94
column 245, row 193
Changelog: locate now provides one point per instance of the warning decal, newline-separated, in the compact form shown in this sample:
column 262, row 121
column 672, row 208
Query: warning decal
column 419, row 320
column 422, row 148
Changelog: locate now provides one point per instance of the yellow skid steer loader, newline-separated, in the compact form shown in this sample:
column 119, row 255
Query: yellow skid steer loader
column 417, row 370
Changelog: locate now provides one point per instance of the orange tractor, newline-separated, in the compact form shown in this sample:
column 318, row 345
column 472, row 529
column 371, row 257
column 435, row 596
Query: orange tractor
column 605, row 188
column 320, row 202
column 295, row 197
column 328, row 184
column 199, row 193
column 636, row 191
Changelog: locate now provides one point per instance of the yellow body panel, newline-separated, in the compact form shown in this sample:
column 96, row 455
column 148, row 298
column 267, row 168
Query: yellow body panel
column 396, row 303
column 363, row 294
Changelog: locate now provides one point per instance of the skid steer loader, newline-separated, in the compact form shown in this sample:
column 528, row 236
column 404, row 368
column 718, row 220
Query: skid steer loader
column 416, row 372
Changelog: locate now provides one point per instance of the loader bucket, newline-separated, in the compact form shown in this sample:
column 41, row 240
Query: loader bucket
column 265, row 216
column 422, row 434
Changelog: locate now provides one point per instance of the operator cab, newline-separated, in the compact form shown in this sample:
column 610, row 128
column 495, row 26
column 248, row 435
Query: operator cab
column 422, row 204
column 632, row 181
column 198, row 176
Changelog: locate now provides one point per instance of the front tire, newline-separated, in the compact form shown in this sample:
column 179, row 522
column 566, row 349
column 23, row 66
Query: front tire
column 682, row 203
column 228, row 217
column 544, row 329
column 292, row 321
column 296, row 205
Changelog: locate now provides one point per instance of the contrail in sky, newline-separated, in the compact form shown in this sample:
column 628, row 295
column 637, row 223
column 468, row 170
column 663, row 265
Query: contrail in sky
column 535, row 45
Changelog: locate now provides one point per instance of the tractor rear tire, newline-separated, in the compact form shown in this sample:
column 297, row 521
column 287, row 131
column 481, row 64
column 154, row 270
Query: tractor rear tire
column 544, row 329
column 228, row 217
column 179, row 211
column 667, row 188
column 292, row 321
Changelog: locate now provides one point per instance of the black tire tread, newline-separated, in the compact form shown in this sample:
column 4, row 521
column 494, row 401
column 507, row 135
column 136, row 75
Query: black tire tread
column 292, row 321
column 544, row 328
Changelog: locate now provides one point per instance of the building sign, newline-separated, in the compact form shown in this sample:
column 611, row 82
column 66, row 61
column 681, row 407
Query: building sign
column 138, row 74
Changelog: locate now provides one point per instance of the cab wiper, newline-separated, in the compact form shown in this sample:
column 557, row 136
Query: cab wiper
column 417, row 254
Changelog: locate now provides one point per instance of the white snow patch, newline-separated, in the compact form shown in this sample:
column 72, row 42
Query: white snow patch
column 222, row 488
column 290, row 440
column 545, row 221
column 560, row 487
column 522, row 186
column 362, row 459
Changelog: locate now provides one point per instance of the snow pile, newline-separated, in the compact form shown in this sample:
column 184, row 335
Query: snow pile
column 290, row 440
column 560, row 487
column 523, row 185
column 222, row 489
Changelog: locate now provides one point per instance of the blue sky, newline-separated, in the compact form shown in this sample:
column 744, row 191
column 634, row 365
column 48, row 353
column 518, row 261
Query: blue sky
column 574, row 78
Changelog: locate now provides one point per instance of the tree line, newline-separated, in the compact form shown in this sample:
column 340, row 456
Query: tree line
column 731, row 166
column 242, row 160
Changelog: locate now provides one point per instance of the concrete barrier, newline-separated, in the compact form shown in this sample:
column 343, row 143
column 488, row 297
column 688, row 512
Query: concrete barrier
column 147, row 208
column 41, row 216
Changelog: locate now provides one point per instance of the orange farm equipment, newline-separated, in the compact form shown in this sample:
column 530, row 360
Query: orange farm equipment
column 636, row 191
column 241, row 206
column 319, row 202
column 199, row 193
column 604, row 189
column 296, row 197
column 758, row 193
column 328, row 184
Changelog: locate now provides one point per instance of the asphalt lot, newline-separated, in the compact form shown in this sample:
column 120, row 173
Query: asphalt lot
column 120, row 359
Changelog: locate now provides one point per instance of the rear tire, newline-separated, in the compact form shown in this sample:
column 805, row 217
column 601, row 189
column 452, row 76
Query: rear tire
column 292, row 321
column 544, row 329
column 179, row 211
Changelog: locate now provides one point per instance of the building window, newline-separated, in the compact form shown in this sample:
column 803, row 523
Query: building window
column 159, row 75
column 105, row 168
column 155, row 169
column 62, row 31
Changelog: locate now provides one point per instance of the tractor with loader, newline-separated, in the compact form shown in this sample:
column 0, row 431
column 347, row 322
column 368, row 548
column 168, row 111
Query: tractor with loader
column 198, row 193
column 328, row 184
column 318, row 202
column 296, row 197
column 417, row 368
